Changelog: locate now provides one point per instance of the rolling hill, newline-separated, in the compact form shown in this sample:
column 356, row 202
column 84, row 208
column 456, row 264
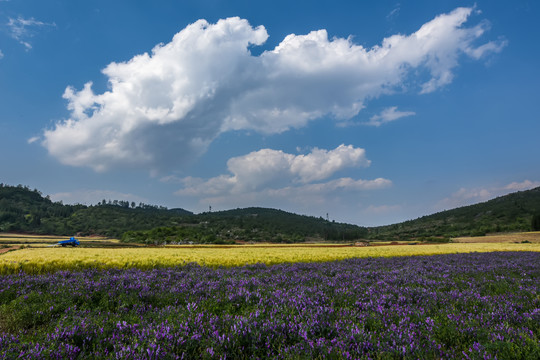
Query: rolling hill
column 509, row 213
column 26, row 210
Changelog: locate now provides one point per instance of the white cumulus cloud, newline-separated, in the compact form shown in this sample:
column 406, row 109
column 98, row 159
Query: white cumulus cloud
column 268, row 168
column 302, row 183
column 164, row 108
column 272, row 177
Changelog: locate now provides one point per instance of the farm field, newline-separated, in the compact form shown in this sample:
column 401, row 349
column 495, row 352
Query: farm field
column 41, row 260
column 533, row 237
column 16, row 241
column 469, row 305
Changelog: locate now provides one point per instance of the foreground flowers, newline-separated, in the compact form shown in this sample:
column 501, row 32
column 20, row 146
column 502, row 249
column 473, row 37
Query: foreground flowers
column 480, row 305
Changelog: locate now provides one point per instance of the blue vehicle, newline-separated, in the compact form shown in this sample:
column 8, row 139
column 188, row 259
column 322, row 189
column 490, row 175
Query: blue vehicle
column 71, row 242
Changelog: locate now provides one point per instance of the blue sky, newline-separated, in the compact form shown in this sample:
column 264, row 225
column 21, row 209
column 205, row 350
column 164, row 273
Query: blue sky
column 373, row 112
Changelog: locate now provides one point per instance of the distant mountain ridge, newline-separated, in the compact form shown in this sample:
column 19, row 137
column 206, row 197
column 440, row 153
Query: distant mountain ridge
column 25, row 210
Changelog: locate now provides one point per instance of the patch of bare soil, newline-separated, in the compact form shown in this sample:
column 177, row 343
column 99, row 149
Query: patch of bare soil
column 5, row 250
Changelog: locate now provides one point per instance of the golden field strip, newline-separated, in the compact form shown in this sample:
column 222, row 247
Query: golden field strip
column 42, row 260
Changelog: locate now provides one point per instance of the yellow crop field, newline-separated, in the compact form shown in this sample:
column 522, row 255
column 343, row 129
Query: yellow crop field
column 41, row 260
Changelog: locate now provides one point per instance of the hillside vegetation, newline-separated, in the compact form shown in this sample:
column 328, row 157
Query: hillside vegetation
column 250, row 224
column 26, row 210
column 519, row 211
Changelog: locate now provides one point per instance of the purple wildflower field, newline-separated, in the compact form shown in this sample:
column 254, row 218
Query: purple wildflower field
column 466, row 306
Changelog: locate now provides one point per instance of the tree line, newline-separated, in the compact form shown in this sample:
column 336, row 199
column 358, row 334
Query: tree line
column 26, row 210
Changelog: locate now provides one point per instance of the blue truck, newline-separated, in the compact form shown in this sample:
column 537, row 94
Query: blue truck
column 71, row 242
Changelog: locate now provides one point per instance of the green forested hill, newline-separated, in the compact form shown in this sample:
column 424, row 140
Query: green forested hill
column 512, row 212
column 250, row 224
column 262, row 224
column 22, row 209
column 25, row 210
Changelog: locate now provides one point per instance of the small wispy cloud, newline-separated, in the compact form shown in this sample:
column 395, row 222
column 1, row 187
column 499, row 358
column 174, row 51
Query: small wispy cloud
column 1, row 54
column 388, row 115
column 394, row 13
column 33, row 139
column 22, row 29
column 171, row 179
column 520, row 186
